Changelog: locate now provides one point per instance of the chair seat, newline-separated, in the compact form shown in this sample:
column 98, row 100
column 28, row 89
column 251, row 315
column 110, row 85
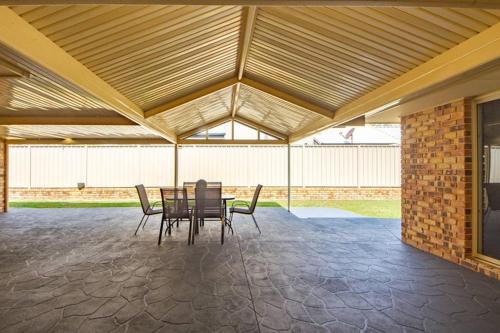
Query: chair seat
column 239, row 210
column 178, row 213
column 152, row 211
column 210, row 215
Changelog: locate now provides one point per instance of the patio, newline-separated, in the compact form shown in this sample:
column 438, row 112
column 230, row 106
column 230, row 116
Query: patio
column 64, row 269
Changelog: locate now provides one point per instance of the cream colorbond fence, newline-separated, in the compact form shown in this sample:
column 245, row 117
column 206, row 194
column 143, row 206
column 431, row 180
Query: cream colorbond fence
column 124, row 166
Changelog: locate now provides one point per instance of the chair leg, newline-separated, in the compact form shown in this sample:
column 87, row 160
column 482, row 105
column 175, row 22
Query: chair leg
column 144, row 224
column 190, row 227
column 231, row 222
column 177, row 223
column 222, row 222
column 254, row 221
column 169, row 227
column 161, row 231
column 194, row 229
column 135, row 233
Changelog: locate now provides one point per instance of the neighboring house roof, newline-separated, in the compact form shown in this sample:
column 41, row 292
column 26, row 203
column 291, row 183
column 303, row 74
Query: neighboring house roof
column 378, row 134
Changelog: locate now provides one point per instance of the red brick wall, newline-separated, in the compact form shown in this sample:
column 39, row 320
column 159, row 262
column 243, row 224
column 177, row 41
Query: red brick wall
column 436, row 184
column 268, row 193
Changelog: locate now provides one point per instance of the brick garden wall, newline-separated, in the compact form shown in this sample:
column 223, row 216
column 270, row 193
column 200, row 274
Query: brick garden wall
column 436, row 184
column 268, row 193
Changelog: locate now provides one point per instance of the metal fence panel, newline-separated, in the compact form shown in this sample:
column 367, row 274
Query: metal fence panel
column 123, row 166
column 329, row 166
column 379, row 166
column 19, row 166
column 57, row 166
column 234, row 165
column 156, row 165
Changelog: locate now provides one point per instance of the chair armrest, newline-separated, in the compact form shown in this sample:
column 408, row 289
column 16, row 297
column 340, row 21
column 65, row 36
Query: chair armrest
column 154, row 204
column 237, row 203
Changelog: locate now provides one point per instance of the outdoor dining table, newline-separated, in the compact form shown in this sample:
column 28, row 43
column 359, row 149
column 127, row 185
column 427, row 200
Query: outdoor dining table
column 225, row 199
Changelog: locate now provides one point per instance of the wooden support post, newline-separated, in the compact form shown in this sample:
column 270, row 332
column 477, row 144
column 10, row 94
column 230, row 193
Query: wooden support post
column 289, row 179
column 5, row 167
column 176, row 166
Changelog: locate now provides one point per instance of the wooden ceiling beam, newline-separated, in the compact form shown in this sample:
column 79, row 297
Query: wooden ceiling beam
column 41, row 120
column 234, row 81
column 190, row 97
column 486, row 4
column 473, row 54
column 13, row 70
column 204, row 127
column 27, row 41
column 288, row 97
column 261, row 127
column 111, row 141
column 360, row 121
column 232, row 142
column 246, row 34
column 234, row 99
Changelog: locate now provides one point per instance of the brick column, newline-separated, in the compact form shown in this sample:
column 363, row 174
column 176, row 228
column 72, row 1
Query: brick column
column 3, row 176
column 436, row 184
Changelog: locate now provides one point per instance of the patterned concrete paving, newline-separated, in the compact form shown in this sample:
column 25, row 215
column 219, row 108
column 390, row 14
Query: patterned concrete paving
column 69, row 270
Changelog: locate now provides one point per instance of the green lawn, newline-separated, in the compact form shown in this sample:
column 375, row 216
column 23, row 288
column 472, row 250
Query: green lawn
column 370, row 208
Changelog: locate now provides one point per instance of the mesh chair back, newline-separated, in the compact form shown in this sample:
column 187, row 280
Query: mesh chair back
column 189, row 186
column 493, row 193
column 255, row 198
column 208, row 200
column 175, row 202
column 143, row 197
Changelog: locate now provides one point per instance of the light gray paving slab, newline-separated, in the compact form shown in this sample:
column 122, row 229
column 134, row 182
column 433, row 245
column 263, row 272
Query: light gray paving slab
column 83, row 270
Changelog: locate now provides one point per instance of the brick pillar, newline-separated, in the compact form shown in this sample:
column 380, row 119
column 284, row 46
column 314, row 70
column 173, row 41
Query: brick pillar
column 436, row 183
column 3, row 176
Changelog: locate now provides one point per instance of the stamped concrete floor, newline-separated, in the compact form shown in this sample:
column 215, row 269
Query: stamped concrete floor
column 81, row 270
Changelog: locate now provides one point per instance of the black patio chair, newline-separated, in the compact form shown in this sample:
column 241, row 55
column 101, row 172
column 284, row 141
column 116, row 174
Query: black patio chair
column 493, row 194
column 208, row 205
column 175, row 209
column 242, row 207
column 147, row 208
column 191, row 186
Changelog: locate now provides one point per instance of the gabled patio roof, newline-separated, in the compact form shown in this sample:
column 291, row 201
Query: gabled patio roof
column 285, row 69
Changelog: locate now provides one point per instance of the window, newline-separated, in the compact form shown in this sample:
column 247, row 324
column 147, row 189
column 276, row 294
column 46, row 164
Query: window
column 265, row 136
column 221, row 132
column 488, row 179
column 243, row 132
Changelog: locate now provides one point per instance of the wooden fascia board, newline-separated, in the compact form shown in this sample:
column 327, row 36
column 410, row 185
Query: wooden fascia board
column 232, row 142
column 485, row 4
column 111, row 141
column 23, row 120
